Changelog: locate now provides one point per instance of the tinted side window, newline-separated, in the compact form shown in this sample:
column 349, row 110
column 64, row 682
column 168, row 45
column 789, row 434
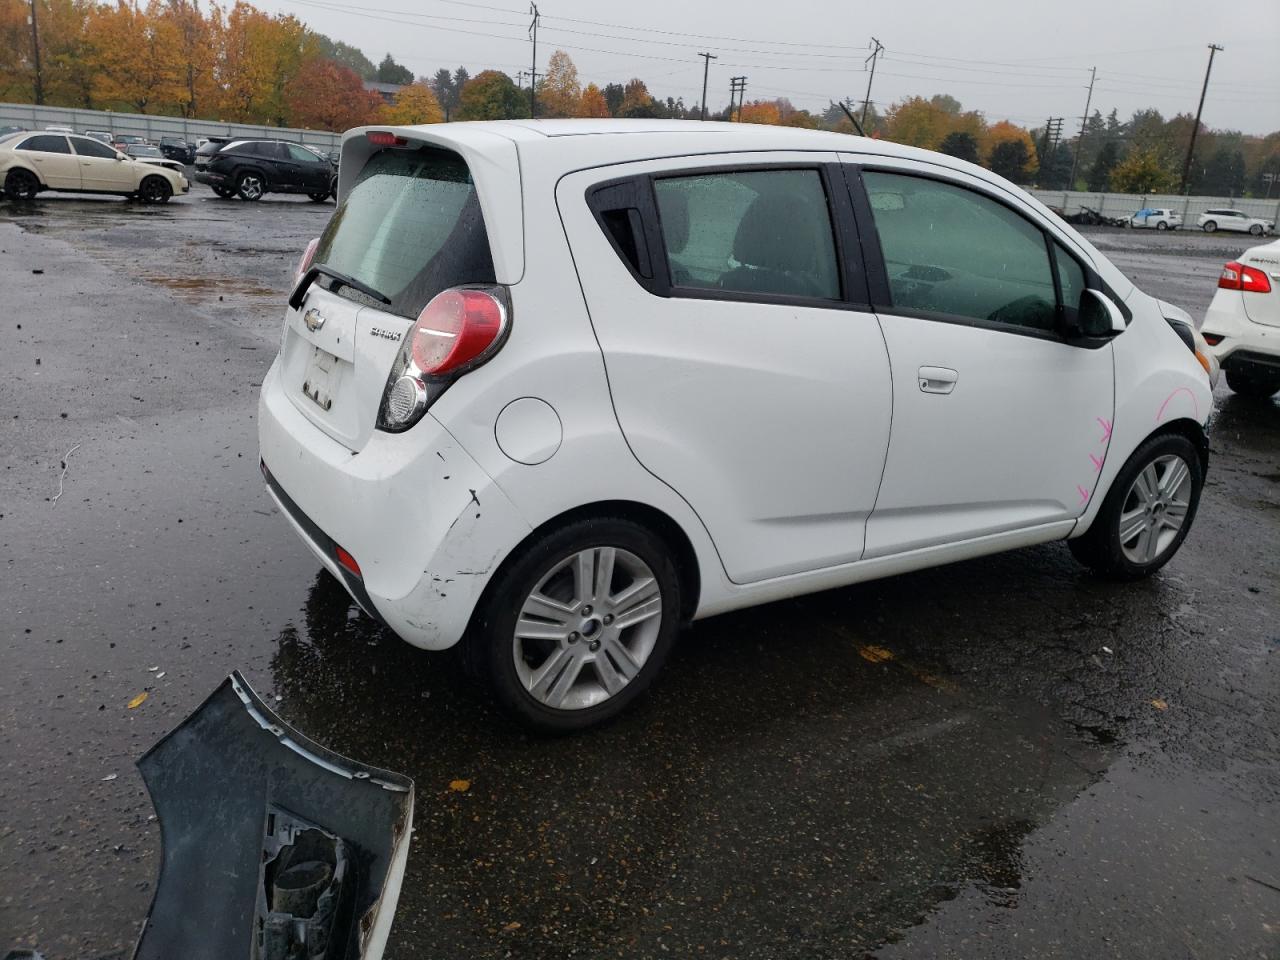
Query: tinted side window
column 763, row 231
column 92, row 148
column 47, row 143
column 301, row 155
column 953, row 251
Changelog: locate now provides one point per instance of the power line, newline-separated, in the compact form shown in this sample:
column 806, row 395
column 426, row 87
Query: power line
column 1195, row 127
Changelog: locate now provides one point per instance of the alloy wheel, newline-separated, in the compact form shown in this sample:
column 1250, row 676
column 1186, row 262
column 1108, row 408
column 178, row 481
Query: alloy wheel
column 250, row 187
column 587, row 628
column 1155, row 508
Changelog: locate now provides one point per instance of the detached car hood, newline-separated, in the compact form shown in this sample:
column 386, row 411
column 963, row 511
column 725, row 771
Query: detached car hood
column 274, row 847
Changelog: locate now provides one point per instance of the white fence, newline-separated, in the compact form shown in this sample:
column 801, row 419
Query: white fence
column 139, row 124
column 1127, row 204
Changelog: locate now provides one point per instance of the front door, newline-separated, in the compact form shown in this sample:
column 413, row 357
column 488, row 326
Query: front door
column 51, row 156
column 311, row 171
column 101, row 167
column 746, row 370
column 999, row 423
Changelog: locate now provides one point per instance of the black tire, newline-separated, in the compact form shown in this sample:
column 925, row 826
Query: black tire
column 1100, row 548
column 1161, row 225
column 154, row 190
column 250, row 185
column 489, row 648
column 318, row 197
column 1252, row 385
column 223, row 193
column 21, row 185
column 1256, row 229
column 1210, row 226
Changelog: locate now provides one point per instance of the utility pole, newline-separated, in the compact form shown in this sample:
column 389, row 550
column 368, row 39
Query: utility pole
column 875, row 55
column 706, row 68
column 1084, row 119
column 738, row 88
column 1191, row 147
column 1049, row 142
column 533, row 72
column 35, row 53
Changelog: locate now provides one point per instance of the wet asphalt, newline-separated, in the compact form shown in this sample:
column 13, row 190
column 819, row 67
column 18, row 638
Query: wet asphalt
column 999, row 758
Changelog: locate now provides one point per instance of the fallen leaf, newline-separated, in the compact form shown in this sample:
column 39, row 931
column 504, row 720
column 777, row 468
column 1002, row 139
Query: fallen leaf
column 137, row 701
column 513, row 925
column 1159, row 704
column 874, row 654
column 460, row 786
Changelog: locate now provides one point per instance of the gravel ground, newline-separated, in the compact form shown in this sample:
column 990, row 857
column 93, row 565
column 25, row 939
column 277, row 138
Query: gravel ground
column 999, row 758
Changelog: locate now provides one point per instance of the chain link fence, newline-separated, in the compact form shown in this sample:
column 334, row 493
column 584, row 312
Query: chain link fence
column 32, row 117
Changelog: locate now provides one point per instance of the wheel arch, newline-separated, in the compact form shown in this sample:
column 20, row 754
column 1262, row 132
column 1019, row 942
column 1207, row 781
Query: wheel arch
column 1193, row 431
column 18, row 165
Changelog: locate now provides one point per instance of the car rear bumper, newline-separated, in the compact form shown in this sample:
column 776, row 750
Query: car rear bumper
column 1241, row 340
column 425, row 524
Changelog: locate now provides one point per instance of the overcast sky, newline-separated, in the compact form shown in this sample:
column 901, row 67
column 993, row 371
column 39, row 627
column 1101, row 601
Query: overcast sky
column 1015, row 59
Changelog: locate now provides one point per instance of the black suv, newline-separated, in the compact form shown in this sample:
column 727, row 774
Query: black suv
column 175, row 148
column 249, row 168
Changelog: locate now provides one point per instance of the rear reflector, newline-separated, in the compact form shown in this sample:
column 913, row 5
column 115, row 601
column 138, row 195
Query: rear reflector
column 1237, row 276
column 347, row 561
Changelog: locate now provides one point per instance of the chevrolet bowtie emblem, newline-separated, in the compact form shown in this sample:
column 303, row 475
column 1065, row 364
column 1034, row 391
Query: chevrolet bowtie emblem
column 313, row 319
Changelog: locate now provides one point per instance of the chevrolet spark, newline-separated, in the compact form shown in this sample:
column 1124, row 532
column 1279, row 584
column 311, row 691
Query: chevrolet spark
column 550, row 389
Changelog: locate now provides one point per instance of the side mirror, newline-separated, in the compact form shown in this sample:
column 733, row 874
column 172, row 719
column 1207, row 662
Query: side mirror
column 1099, row 315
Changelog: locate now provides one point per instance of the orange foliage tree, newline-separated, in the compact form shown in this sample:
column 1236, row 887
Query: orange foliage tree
column 327, row 96
column 133, row 56
column 592, row 103
column 415, row 103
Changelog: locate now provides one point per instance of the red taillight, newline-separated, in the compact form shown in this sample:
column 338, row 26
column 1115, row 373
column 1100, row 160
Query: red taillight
column 307, row 256
column 383, row 138
column 347, row 561
column 455, row 328
column 1236, row 276
column 1212, row 339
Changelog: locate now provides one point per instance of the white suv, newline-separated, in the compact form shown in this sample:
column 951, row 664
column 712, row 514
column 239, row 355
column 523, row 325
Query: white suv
column 1236, row 220
column 1242, row 326
column 554, row 388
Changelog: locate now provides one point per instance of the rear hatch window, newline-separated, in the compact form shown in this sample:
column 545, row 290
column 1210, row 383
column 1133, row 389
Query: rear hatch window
column 409, row 228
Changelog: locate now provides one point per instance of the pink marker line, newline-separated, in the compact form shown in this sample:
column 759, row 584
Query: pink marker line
column 1097, row 464
column 1084, row 495
column 1194, row 404
column 1106, row 428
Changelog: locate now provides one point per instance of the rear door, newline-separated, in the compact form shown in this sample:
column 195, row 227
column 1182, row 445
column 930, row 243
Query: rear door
column 409, row 227
column 999, row 423
column 51, row 156
column 746, row 370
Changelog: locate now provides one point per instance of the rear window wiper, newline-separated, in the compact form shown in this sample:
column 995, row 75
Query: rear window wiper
column 339, row 280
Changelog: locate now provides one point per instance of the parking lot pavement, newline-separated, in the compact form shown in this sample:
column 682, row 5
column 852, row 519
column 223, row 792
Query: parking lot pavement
column 1000, row 758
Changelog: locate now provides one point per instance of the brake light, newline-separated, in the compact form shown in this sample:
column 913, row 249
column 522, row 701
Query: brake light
column 307, row 256
column 1237, row 276
column 1212, row 339
column 457, row 331
column 347, row 561
column 384, row 138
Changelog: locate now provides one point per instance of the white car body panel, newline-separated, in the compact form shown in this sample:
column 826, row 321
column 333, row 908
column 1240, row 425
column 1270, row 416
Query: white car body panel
column 669, row 407
column 1234, row 220
column 1248, row 322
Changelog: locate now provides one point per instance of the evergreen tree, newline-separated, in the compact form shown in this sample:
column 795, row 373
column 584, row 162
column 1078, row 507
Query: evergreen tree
column 1100, row 172
column 1009, row 159
column 961, row 145
column 391, row 72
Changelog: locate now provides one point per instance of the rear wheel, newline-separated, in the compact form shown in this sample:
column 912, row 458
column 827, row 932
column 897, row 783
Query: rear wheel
column 1147, row 512
column 1257, row 386
column 21, row 185
column 318, row 197
column 250, row 186
column 155, row 190
column 1161, row 225
column 576, row 628
column 224, row 193
column 1210, row 226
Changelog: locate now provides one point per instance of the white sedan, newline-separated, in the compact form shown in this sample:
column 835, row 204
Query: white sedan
column 33, row 162
column 1242, row 327
column 1240, row 222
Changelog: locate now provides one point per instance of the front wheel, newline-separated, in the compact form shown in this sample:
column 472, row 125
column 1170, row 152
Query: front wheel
column 1147, row 512
column 1209, row 226
column 1253, row 386
column 155, row 190
column 574, row 630
column 21, row 185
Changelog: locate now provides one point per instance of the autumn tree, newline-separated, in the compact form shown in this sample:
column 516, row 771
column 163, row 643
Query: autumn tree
column 491, row 95
column 559, row 90
column 592, row 102
column 999, row 134
column 1143, row 171
column 415, row 103
column 198, row 41
column 918, row 123
column 134, row 56
column 636, row 100
column 328, row 96
column 760, row 111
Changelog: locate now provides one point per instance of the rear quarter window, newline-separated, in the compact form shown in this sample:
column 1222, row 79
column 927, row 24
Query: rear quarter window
column 410, row 227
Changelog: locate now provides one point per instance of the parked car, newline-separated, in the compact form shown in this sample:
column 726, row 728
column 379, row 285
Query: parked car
column 1242, row 326
column 153, row 155
column 123, row 140
column 828, row 360
column 175, row 148
column 1159, row 218
column 1237, row 220
column 249, row 169
column 49, row 161
column 103, row 136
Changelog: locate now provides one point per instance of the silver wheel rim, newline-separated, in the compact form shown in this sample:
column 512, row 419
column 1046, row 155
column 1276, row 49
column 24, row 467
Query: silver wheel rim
column 1155, row 509
column 587, row 628
column 250, row 188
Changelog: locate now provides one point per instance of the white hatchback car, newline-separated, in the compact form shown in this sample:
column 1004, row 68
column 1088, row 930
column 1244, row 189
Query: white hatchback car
column 1156, row 218
column 553, row 388
column 1235, row 220
column 1242, row 327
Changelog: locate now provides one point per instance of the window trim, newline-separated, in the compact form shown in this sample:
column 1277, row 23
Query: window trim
column 23, row 145
column 852, row 275
column 878, row 274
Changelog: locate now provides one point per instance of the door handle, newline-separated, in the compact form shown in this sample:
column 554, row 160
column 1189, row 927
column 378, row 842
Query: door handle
column 937, row 379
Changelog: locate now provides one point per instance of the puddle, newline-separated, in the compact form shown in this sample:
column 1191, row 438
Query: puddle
column 221, row 285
